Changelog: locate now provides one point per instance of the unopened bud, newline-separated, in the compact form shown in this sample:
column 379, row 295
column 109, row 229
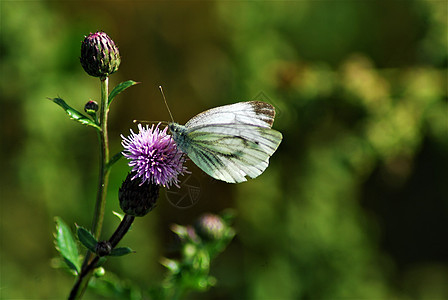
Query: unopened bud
column 91, row 108
column 210, row 227
column 137, row 199
column 99, row 55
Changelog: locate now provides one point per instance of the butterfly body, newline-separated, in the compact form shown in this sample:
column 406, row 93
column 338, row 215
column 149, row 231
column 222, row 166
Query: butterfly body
column 180, row 135
column 230, row 142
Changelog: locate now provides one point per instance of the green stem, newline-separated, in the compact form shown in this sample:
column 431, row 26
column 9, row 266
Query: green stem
column 122, row 229
column 85, row 274
column 103, row 179
column 104, row 160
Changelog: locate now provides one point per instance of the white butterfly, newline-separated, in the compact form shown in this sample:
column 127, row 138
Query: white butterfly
column 230, row 142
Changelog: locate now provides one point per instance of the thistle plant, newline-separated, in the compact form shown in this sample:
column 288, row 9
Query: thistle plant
column 155, row 163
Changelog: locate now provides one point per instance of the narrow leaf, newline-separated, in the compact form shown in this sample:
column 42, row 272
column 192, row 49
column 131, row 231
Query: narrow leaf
column 114, row 159
column 181, row 231
column 121, row 251
column 66, row 245
column 101, row 261
column 119, row 88
column 170, row 264
column 119, row 216
column 74, row 114
column 87, row 239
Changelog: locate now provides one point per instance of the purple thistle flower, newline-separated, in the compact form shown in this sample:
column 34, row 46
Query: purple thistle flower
column 154, row 156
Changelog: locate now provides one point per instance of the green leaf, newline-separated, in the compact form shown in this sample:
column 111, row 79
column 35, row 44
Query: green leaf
column 74, row 114
column 101, row 261
column 119, row 216
column 180, row 230
column 170, row 264
column 228, row 216
column 66, row 245
column 114, row 159
column 119, row 88
column 87, row 239
column 121, row 251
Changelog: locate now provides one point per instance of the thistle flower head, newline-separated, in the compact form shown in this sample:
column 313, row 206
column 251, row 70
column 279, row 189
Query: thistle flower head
column 153, row 156
column 99, row 55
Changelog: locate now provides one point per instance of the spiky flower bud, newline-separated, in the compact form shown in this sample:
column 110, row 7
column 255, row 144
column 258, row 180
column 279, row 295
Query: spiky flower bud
column 137, row 198
column 99, row 55
column 210, row 227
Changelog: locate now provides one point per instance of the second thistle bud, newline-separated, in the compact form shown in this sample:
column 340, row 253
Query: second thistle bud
column 137, row 199
column 99, row 55
column 210, row 227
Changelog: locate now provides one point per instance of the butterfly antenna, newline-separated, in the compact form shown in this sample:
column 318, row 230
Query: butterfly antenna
column 164, row 99
column 150, row 122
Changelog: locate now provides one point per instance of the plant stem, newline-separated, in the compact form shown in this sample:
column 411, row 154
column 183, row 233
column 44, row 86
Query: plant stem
column 79, row 287
column 104, row 160
column 103, row 179
column 121, row 230
column 84, row 276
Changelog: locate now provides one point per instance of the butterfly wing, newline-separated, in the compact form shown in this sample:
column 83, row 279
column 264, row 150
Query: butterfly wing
column 233, row 141
column 229, row 152
column 251, row 112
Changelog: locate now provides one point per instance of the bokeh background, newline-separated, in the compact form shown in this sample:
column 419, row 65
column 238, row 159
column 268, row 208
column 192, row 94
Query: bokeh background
column 354, row 203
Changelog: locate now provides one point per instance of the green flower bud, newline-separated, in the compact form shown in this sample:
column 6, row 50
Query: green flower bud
column 210, row 227
column 136, row 198
column 99, row 272
column 91, row 108
column 99, row 55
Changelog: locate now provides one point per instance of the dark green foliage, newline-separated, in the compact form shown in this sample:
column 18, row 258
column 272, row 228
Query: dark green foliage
column 191, row 271
column 120, row 88
column 74, row 114
column 87, row 239
column 114, row 159
column 66, row 245
column 120, row 251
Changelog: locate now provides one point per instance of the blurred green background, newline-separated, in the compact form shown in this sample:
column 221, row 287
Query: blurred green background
column 354, row 203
